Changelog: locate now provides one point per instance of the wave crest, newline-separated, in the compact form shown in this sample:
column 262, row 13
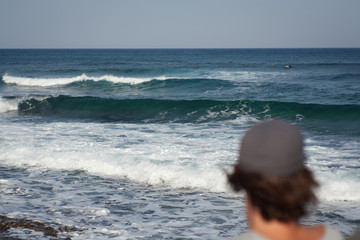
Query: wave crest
column 158, row 110
column 47, row 82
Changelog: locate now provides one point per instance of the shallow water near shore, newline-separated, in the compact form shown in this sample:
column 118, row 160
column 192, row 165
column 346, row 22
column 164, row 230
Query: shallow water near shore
column 132, row 144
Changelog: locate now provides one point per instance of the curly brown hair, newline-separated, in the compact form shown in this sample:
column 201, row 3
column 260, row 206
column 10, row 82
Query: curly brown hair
column 282, row 198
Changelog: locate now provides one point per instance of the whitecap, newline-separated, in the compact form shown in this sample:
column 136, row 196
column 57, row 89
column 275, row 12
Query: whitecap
column 8, row 105
column 47, row 82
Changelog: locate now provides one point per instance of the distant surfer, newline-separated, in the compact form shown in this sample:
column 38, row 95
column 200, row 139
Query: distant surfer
column 288, row 66
column 196, row 67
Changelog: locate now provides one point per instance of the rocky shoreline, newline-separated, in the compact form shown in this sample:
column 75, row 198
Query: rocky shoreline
column 53, row 231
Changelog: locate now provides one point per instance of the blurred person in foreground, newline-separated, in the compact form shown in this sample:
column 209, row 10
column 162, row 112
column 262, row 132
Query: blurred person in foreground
column 279, row 187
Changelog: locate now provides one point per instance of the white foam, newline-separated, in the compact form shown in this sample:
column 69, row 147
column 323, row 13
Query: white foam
column 339, row 186
column 225, row 75
column 175, row 156
column 46, row 82
column 110, row 232
column 336, row 168
column 99, row 211
column 8, row 105
column 4, row 181
column 143, row 171
column 243, row 75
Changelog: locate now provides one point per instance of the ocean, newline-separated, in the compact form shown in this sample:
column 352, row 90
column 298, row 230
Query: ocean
column 134, row 143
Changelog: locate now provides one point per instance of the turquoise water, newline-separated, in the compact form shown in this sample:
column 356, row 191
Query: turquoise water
column 131, row 144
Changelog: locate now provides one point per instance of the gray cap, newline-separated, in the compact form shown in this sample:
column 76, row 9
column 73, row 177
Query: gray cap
column 273, row 148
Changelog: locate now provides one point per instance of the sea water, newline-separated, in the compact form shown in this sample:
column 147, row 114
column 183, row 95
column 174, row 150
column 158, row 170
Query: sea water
column 133, row 143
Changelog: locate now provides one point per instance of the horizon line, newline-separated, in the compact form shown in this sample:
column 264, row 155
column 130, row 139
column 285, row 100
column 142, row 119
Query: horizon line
column 170, row 48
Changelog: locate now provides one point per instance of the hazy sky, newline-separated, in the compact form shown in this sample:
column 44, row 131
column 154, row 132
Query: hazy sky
column 179, row 24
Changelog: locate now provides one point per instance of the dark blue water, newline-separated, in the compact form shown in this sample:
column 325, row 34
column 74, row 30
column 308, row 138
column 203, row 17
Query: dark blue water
column 150, row 133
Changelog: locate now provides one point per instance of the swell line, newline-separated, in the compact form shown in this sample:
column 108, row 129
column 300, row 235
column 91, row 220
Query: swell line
column 157, row 110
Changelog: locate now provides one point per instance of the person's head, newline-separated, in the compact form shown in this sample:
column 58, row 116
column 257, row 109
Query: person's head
column 271, row 170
